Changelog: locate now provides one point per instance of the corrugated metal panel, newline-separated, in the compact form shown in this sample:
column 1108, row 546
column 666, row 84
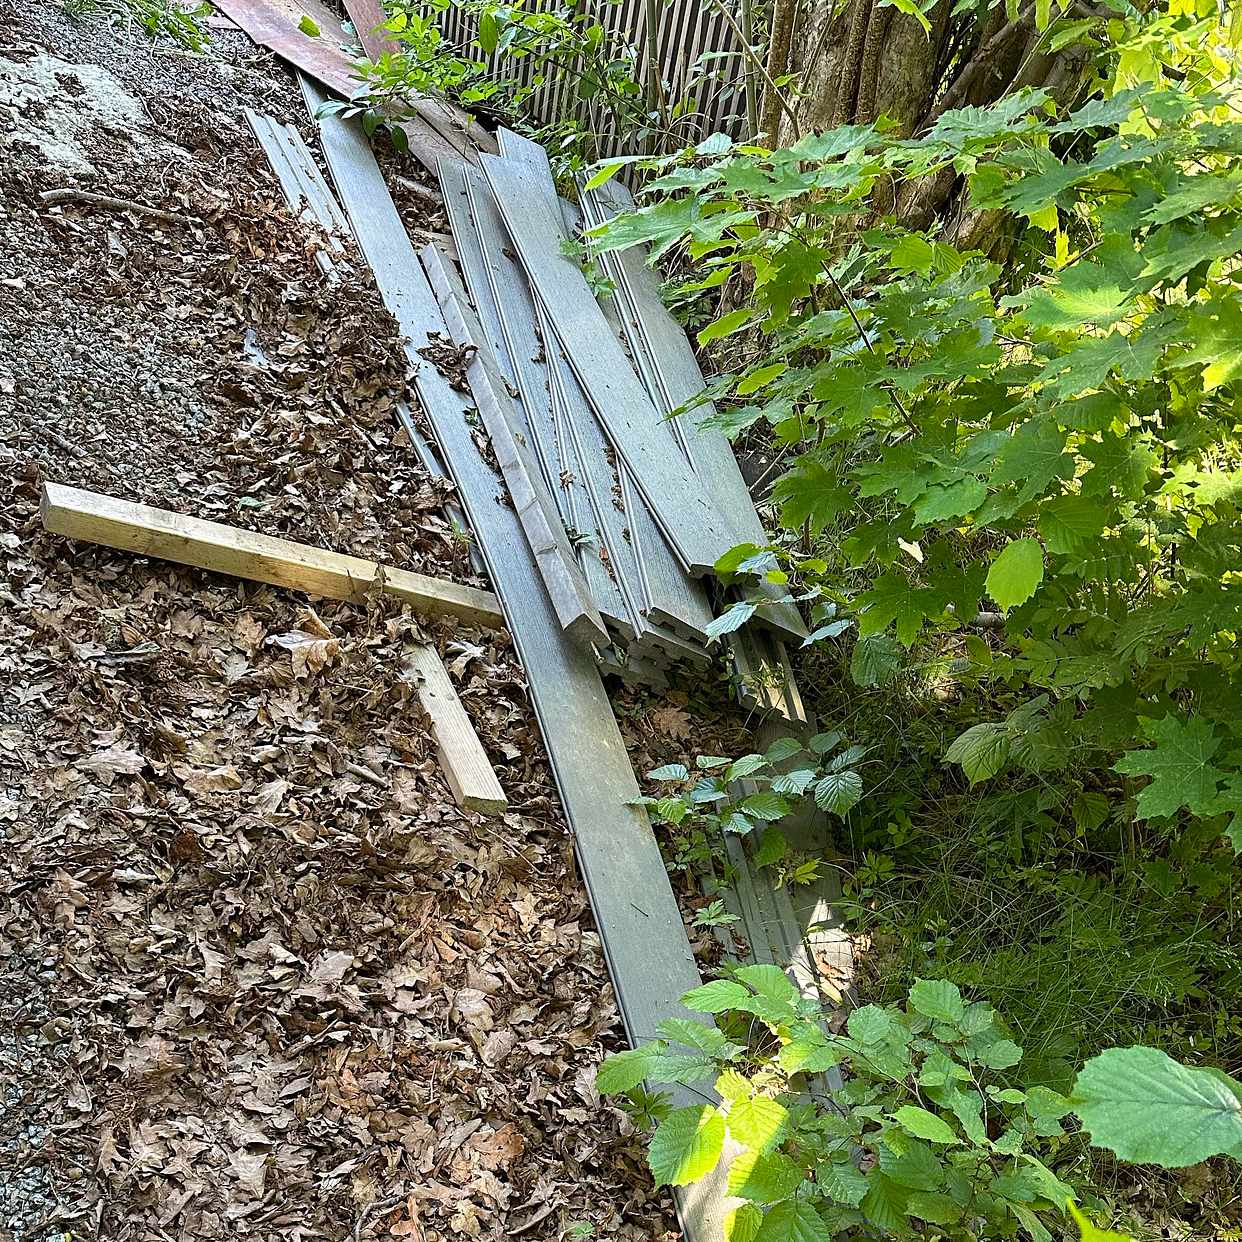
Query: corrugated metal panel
column 687, row 30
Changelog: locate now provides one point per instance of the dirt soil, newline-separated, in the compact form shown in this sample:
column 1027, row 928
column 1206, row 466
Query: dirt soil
column 259, row 976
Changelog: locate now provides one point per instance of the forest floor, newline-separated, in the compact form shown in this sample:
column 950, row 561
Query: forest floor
column 258, row 974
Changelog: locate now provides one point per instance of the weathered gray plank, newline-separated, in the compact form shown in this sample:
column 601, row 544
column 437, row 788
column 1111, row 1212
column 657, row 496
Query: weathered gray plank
column 696, row 532
column 654, row 332
column 501, row 296
column 536, row 510
column 644, row 940
column 661, row 587
column 586, row 459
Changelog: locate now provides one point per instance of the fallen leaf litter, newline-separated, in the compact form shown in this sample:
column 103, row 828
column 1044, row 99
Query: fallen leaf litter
column 259, row 975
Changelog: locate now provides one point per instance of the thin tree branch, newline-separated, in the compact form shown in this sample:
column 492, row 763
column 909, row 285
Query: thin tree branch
column 749, row 53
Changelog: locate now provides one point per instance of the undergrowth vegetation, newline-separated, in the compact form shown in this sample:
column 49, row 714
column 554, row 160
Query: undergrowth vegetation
column 1010, row 498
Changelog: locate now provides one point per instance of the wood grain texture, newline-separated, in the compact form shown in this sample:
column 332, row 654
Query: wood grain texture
column 676, row 498
column 169, row 536
column 566, row 586
column 368, row 17
column 501, row 295
column 644, row 939
column 463, row 760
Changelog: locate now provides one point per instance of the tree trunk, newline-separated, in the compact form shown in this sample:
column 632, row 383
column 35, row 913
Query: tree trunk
column 859, row 61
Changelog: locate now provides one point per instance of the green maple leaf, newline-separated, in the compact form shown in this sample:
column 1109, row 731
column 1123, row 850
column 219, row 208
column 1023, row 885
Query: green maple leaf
column 1033, row 457
column 1086, row 293
column 1179, row 766
column 1070, row 523
column 1216, row 330
column 891, row 600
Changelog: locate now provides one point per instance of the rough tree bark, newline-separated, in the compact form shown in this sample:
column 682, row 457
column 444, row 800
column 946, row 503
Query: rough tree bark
column 857, row 60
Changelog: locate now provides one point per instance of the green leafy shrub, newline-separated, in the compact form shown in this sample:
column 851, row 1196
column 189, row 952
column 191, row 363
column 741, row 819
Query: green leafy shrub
column 926, row 1136
column 1058, row 437
column 752, row 793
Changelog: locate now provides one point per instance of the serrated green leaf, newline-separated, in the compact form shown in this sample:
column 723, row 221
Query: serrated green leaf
column 734, row 321
column 767, row 806
column 732, row 1085
column 1071, row 523
column 910, row 1163
column 925, row 1125
column 783, row 748
column 1179, row 765
column 733, row 618
column 763, row 1177
column 772, row 848
column 884, row 1204
column 794, row 782
column 1003, row 1054
column 747, row 765
column 686, row 1145
column 842, row 1183
column 838, row 791
column 758, row 1122
column 938, row 999
column 716, row 996
column 936, row 1208
column 982, row 751
column 875, row 660
column 742, row 1224
column 604, row 174
column 759, row 378
column 1016, row 573
column 622, row 1071
column 669, row 772
column 1149, row 1109
column 794, row 1220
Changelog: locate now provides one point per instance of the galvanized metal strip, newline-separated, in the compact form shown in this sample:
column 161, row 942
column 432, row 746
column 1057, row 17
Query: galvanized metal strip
column 695, row 530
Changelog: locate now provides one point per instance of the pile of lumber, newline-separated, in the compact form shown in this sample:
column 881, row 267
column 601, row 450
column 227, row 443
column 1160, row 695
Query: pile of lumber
column 626, row 509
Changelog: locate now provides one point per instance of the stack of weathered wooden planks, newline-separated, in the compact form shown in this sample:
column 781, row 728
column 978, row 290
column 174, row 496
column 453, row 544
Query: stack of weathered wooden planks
column 626, row 509
column 486, row 410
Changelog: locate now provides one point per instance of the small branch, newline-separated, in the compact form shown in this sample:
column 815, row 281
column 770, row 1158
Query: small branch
column 749, row 53
column 981, row 60
column 866, row 340
column 51, row 198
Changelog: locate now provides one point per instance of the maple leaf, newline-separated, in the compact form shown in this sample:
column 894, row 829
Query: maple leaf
column 1217, row 333
column 1179, row 766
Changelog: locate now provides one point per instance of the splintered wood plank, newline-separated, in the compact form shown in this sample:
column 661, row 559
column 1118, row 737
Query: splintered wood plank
column 463, row 760
column 674, row 378
column 536, row 510
column 304, row 187
column 659, row 586
column 169, row 536
column 500, row 294
column 644, row 939
column 677, row 499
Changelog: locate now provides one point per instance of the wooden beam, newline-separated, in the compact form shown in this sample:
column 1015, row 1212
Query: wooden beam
column 463, row 760
column 79, row 514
